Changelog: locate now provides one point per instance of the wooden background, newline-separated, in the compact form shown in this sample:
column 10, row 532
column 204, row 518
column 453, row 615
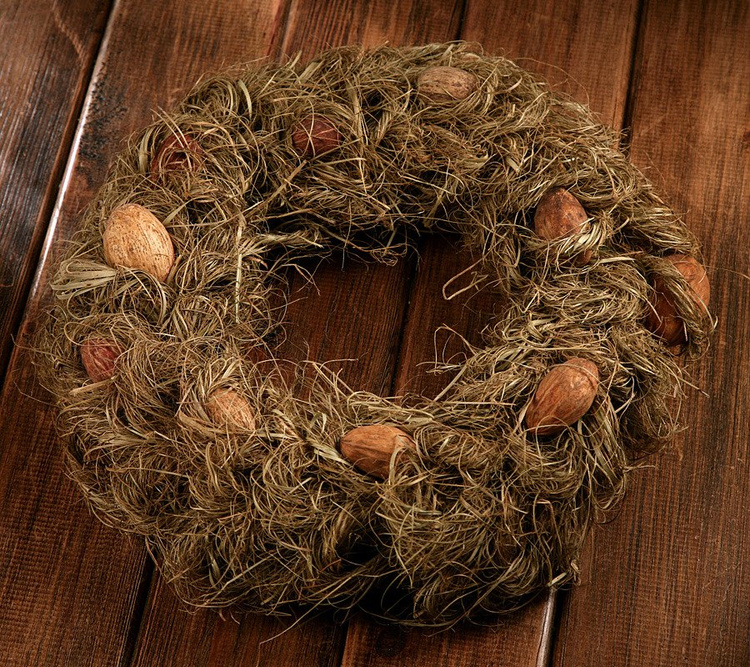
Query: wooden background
column 667, row 582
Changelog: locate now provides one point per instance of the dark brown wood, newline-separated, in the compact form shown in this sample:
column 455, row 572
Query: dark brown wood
column 354, row 312
column 47, row 54
column 667, row 582
column 171, row 634
column 71, row 589
column 316, row 24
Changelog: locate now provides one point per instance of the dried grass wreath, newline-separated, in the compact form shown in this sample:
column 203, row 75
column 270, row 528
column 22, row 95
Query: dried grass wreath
column 255, row 489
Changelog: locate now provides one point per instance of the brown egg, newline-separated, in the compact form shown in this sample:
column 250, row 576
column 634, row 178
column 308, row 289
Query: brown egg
column 370, row 448
column 662, row 317
column 175, row 154
column 227, row 407
column 315, row 135
column 441, row 84
column 99, row 357
column 563, row 396
column 136, row 239
column 560, row 214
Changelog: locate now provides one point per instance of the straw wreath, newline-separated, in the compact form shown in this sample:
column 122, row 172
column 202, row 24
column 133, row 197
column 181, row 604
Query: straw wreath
column 271, row 489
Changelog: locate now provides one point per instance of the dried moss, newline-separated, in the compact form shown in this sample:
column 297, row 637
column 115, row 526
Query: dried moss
column 480, row 515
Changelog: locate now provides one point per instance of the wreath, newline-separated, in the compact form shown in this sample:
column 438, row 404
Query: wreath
column 268, row 489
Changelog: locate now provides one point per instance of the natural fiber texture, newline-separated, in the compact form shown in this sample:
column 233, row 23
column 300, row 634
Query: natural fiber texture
column 481, row 514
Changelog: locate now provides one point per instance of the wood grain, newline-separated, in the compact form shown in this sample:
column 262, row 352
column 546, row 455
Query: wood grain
column 47, row 53
column 583, row 48
column 71, row 589
column 171, row 635
column 315, row 25
column 668, row 582
column 352, row 312
column 577, row 38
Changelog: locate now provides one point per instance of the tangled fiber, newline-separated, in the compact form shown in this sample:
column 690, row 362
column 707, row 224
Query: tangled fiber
column 481, row 513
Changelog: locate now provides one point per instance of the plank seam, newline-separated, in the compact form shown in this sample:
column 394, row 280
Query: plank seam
column 556, row 643
column 633, row 77
column 147, row 580
column 405, row 316
column 41, row 236
column 135, row 625
column 559, row 602
column 409, row 291
column 67, row 177
column 550, row 624
column 277, row 47
column 412, row 280
column 73, row 142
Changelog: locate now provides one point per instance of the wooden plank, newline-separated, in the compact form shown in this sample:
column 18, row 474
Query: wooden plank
column 577, row 38
column 47, row 54
column 356, row 313
column 70, row 587
column 584, row 48
column 208, row 638
column 315, row 24
column 672, row 569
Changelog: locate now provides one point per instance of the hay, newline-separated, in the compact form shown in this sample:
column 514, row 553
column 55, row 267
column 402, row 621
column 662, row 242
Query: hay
column 481, row 515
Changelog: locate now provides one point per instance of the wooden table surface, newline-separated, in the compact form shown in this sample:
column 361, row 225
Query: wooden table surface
column 666, row 582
